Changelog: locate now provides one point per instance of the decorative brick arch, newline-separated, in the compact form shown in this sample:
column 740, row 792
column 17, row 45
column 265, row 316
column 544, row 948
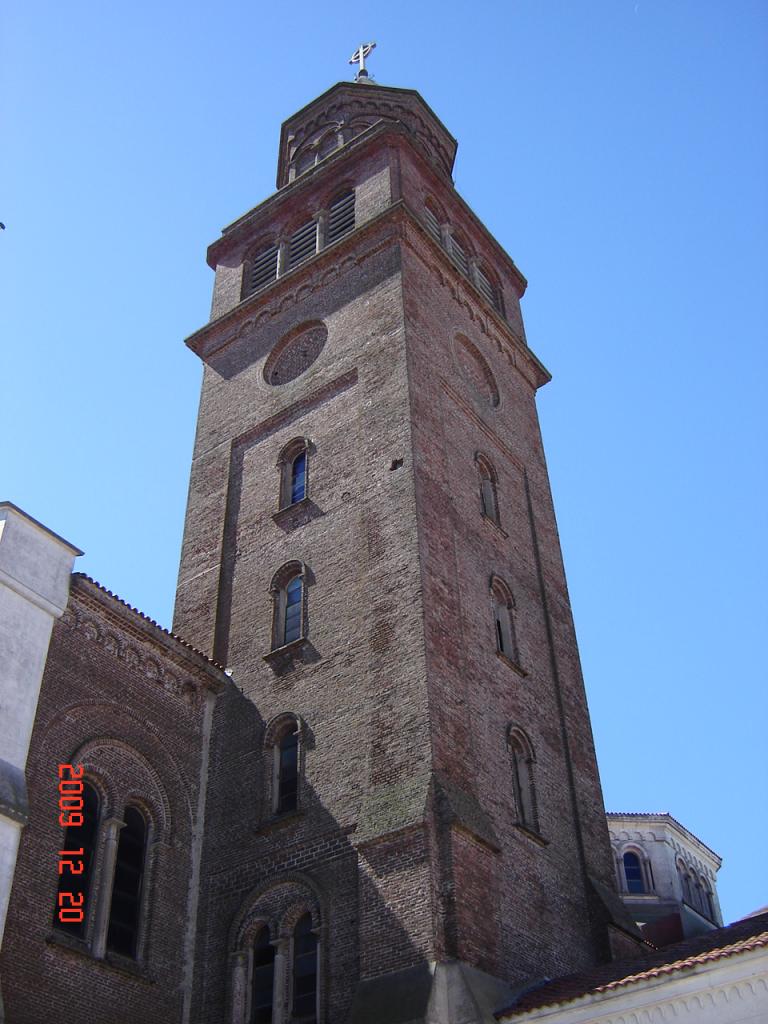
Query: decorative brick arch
column 273, row 901
column 279, row 905
column 104, row 723
column 476, row 371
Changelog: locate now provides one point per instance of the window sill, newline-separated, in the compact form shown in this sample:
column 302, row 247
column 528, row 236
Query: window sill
column 296, row 514
column 537, row 837
column 278, row 821
column 287, row 653
column 512, row 664
column 111, row 960
column 495, row 524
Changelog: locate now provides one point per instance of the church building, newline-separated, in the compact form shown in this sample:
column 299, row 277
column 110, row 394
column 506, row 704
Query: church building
column 356, row 784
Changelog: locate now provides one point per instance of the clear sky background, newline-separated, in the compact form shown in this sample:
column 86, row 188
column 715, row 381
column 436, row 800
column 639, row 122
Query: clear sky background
column 618, row 151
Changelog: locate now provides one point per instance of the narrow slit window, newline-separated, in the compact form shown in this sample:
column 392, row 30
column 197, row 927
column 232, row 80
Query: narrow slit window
column 503, row 608
column 299, row 477
column 489, row 504
column 124, row 911
column 263, row 979
column 78, row 837
column 304, row 971
column 288, row 772
column 303, row 244
column 521, row 757
column 293, row 600
column 341, row 217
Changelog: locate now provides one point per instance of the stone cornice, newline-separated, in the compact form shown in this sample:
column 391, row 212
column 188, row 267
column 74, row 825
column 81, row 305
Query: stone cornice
column 313, row 275
column 241, row 233
column 396, row 225
column 638, row 822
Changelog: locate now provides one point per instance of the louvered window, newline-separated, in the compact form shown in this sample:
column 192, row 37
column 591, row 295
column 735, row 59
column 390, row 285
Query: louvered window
column 341, row 217
column 303, row 244
column 263, row 269
column 487, row 288
column 432, row 224
column 459, row 257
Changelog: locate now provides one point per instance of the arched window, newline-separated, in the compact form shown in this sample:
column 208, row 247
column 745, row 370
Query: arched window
column 489, row 503
column 503, row 609
column 522, row 760
column 262, row 1003
column 76, row 872
column 287, row 770
column 341, row 217
column 304, row 971
column 633, row 872
column 293, row 465
column 288, row 611
column 276, row 966
column 125, row 908
column 685, row 883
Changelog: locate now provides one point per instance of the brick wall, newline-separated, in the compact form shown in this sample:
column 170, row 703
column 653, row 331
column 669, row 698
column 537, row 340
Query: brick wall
column 114, row 699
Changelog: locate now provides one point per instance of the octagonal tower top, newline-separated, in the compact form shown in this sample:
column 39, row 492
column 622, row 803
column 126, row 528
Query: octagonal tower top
column 346, row 111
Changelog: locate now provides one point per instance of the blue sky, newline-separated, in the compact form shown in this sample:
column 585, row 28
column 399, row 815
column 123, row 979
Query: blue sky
column 616, row 148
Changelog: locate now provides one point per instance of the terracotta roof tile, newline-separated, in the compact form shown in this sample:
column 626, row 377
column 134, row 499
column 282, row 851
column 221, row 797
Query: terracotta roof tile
column 148, row 620
column 740, row 937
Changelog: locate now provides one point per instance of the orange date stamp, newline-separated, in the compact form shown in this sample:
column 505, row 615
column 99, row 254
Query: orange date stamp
column 70, row 904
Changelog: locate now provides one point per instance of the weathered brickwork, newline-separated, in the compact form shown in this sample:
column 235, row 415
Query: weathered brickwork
column 407, row 841
column 406, row 702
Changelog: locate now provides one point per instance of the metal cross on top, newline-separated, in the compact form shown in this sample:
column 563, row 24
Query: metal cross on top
column 358, row 57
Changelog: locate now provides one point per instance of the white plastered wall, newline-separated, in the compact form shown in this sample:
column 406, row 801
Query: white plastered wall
column 35, row 569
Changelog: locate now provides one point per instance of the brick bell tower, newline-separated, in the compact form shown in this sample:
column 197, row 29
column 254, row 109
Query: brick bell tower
column 404, row 818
